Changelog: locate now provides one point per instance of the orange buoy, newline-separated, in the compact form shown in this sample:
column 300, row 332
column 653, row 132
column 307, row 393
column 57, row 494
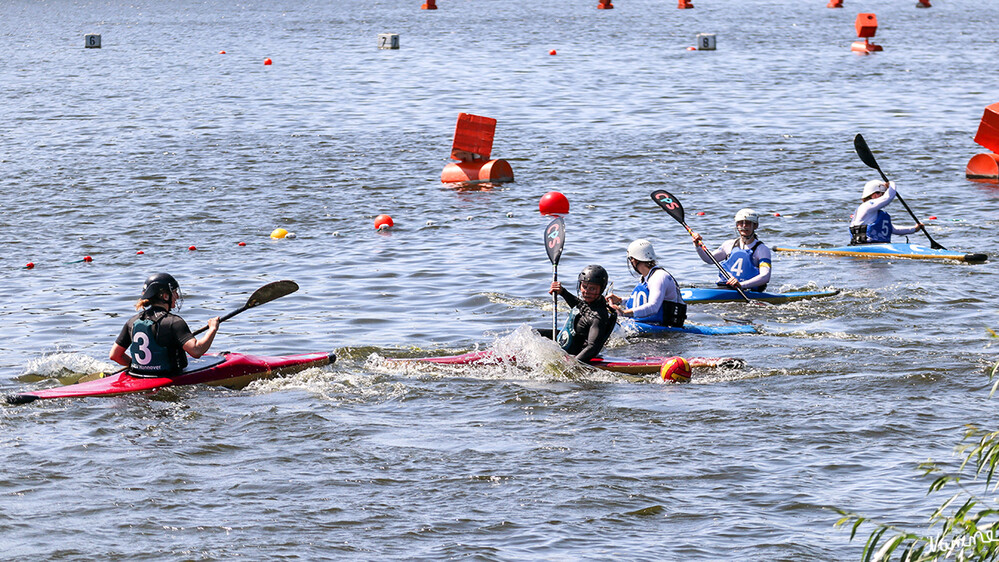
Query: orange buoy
column 923, row 4
column 383, row 221
column 553, row 203
column 983, row 167
column 684, row 5
column 221, row 52
column 429, row 5
column 605, row 5
column 988, row 128
column 267, row 62
column 835, row 4
column 477, row 172
column 867, row 26
column 552, row 52
column 472, row 146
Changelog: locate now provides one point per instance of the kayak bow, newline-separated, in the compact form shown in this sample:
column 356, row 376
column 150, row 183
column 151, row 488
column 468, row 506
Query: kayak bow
column 232, row 370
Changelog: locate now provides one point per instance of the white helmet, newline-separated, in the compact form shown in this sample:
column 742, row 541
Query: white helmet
column 748, row 215
column 872, row 187
column 641, row 250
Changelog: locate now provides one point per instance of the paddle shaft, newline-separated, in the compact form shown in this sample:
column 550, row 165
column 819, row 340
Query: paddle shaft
column 554, row 304
column 867, row 157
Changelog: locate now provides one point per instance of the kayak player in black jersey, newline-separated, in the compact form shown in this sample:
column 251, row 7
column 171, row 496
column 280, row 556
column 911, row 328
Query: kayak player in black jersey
column 591, row 321
column 156, row 340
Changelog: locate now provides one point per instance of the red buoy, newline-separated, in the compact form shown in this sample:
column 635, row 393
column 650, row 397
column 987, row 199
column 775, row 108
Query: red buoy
column 191, row 248
column 29, row 265
column 88, row 259
column 685, row 5
column 553, row 203
column 835, row 4
column 383, row 221
column 552, row 52
column 605, row 5
column 429, row 5
column 139, row 253
column 267, row 62
column 241, row 244
column 221, row 52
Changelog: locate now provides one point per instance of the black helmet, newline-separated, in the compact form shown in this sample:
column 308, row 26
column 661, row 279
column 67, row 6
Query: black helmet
column 594, row 274
column 158, row 283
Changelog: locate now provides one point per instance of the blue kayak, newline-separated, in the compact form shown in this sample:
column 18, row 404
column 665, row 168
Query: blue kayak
column 915, row 251
column 719, row 294
column 632, row 327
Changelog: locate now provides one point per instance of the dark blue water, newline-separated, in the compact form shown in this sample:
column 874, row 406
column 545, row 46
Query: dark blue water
column 156, row 143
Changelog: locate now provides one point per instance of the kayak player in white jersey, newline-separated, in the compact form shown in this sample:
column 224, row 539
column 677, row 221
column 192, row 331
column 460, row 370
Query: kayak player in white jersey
column 871, row 224
column 591, row 321
column 656, row 299
column 745, row 258
column 158, row 341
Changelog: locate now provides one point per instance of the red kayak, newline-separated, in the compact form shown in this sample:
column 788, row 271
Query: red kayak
column 233, row 370
column 643, row 366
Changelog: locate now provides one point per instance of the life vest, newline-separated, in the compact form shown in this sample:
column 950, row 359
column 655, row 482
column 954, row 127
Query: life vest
column 149, row 357
column 568, row 332
column 880, row 230
column 669, row 313
column 740, row 264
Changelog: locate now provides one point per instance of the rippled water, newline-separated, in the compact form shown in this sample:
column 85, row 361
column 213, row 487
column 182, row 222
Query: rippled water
column 156, row 142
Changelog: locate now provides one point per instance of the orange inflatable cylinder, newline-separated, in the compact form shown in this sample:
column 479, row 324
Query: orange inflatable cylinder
column 835, row 4
column 983, row 167
column 605, row 5
column 684, row 4
column 988, row 129
column 477, row 172
column 865, row 46
column 924, row 4
column 866, row 24
column 429, row 5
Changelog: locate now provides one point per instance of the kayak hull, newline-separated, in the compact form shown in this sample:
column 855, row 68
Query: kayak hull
column 913, row 251
column 642, row 366
column 717, row 294
column 642, row 328
column 233, row 370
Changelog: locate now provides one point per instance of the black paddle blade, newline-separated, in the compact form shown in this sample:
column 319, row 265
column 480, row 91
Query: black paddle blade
column 271, row 291
column 864, row 151
column 17, row 399
column 555, row 239
column 669, row 204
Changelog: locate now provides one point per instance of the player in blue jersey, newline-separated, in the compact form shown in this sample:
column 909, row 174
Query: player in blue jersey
column 656, row 299
column 871, row 224
column 746, row 258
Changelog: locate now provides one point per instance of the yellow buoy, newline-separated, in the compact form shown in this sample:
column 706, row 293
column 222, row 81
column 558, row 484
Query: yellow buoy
column 279, row 233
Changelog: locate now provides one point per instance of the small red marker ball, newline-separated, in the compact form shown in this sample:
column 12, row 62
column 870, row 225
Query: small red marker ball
column 88, row 259
column 776, row 214
column 691, row 48
column 29, row 265
column 699, row 213
column 241, row 244
column 221, row 52
column 552, row 52
column 267, row 62
column 932, row 218
column 139, row 253
column 192, row 248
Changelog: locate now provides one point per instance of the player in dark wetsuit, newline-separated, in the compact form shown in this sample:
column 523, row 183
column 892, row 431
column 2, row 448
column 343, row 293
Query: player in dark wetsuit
column 591, row 321
column 157, row 341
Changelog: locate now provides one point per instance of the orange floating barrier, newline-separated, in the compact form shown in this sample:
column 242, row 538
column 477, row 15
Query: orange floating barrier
column 986, row 166
column 429, row 5
column 867, row 26
column 835, row 4
column 684, row 5
column 472, row 146
column 605, row 5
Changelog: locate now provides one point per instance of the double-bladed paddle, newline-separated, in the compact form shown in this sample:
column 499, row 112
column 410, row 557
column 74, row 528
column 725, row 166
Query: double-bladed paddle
column 860, row 145
column 554, row 240
column 265, row 294
column 672, row 205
